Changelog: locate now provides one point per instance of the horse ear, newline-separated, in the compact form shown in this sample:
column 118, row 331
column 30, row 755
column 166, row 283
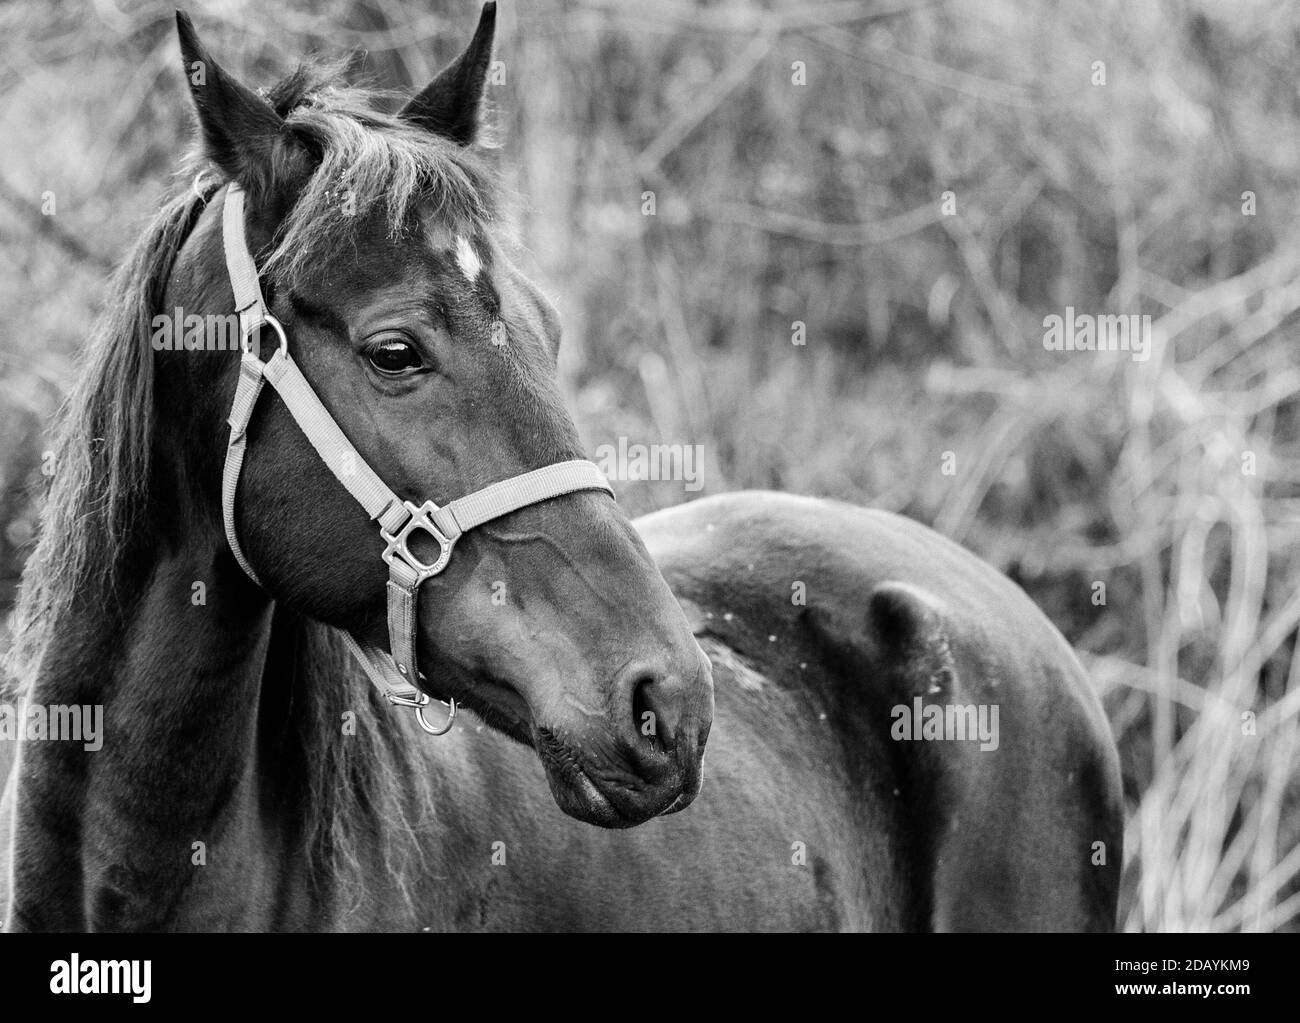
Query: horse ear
column 240, row 129
column 449, row 105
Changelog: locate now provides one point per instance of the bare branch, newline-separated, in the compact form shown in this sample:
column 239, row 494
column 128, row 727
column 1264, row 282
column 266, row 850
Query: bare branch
column 49, row 229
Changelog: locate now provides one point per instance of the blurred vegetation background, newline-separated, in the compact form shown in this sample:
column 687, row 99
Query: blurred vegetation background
column 1174, row 482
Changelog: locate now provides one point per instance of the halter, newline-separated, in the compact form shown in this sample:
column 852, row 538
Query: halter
column 394, row 673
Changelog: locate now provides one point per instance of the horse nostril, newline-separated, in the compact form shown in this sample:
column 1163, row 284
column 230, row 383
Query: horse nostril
column 647, row 694
column 644, row 717
column 661, row 708
column 667, row 712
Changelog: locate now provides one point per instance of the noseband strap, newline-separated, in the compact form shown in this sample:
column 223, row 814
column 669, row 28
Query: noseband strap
column 395, row 673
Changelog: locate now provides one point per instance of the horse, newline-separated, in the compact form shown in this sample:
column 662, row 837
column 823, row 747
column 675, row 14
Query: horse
column 753, row 711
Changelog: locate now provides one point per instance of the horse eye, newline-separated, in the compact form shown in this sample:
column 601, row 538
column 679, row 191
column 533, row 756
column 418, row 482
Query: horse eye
column 394, row 357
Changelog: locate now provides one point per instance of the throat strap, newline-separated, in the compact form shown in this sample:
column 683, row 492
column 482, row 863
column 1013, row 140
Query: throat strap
column 394, row 673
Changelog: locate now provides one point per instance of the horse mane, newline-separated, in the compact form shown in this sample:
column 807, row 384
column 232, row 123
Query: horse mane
column 354, row 791
column 101, row 451
column 370, row 786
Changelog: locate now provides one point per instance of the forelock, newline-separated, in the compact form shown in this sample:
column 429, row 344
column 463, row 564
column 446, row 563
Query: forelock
column 371, row 164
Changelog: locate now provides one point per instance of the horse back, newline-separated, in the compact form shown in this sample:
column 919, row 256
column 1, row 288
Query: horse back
column 865, row 621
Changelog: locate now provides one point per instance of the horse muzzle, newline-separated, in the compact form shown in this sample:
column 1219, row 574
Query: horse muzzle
column 645, row 762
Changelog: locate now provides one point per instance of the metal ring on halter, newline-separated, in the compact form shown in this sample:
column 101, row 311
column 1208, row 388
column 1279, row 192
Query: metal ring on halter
column 194, row 185
column 451, row 717
column 254, row 328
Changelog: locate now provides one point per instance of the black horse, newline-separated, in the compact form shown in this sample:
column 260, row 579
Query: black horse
column 900, row 739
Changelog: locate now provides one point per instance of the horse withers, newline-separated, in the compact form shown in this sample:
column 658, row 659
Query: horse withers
column 900, row 740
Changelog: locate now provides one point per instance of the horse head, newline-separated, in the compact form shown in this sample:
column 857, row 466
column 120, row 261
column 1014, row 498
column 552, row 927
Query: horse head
column 381, row 251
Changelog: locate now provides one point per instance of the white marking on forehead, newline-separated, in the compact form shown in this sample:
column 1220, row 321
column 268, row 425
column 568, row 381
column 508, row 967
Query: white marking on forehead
column 467, row 258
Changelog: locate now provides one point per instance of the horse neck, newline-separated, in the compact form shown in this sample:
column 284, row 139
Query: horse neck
column 107, row 839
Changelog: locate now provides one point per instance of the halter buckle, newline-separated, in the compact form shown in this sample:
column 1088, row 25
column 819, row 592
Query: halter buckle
column 398, row 549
